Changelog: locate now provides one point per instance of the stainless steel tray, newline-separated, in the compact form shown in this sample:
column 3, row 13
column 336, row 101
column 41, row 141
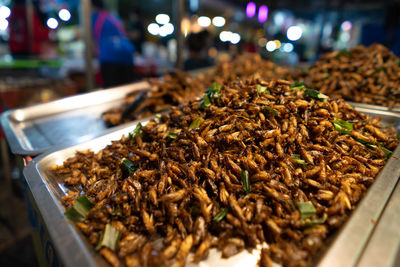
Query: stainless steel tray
column 74, row 250
column 396, row 108
column 33, row 130
column 383, row 248
column 347, row 248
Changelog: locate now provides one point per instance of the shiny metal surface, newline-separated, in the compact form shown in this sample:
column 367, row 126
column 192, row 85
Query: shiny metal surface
column 33, row 130
column 345, row 250
column 383, row 248
column 396, row 108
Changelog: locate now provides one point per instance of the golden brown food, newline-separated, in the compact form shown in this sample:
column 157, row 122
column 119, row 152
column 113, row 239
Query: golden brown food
column 363, row 74
column 251, row 162
column 178, row 87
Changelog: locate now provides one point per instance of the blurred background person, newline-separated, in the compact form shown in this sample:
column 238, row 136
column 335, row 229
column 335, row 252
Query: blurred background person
column 115, row 51
column 136, row 31
column 198, row 46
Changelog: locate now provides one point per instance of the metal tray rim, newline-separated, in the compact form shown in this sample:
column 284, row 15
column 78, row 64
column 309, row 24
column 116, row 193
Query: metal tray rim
column 45, row 197
column 14, row 142
column 372, row 106
column 17, row 144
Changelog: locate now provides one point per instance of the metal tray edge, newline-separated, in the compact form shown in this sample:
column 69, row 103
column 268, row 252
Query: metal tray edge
column 17, row 114
column 361, row 223
column 48, row 203
column 371, row 106
column 13, row 142
column 23, row 149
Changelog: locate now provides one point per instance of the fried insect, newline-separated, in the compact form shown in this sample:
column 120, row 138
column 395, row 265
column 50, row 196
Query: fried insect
column 177, row 87
column 287, row 179
column 362, row 74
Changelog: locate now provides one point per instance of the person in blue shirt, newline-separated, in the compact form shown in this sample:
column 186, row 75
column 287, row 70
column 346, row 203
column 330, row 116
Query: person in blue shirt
column 114, row 49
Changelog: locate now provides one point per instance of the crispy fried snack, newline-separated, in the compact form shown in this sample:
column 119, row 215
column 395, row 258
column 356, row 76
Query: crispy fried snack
column 250, row 162
column 363, row 74
column 177, row 87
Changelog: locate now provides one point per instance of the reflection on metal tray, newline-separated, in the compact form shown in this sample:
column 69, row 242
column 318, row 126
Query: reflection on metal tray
column 396, row 108
column 383, row 249
column 68, row 121
column 74, row 250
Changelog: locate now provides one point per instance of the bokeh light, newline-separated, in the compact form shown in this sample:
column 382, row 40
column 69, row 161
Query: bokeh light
column 52, row 23
column 251, row 9
column 235, row 38
column 153, row 29
column 64, row 14
column 162, row 19
column 262, row 14
column 218, row 21
column 346, row 25
column 294, row 33
column 271, row 46
column 5, row 12
column 204, row 21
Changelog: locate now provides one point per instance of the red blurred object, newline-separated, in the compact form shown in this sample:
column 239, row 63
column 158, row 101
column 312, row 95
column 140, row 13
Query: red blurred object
column 250, row 47
column 2, row 136
column 19, row 36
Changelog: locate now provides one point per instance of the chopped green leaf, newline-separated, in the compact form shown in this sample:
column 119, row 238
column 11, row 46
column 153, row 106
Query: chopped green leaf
column 297, row 158
column 344, row 52
column 205, row 102
column 306, row 209
column 220, row 215
column 83, row 205
column 196, row 123
column 109, row 239
column 172, row 135
column 367, row 143
column 262, row 89
column 158, row 117
column 245, row 181
column 73, row 215
column 326, row 75
column 271, row 110
column 315, row 94
column 214, row 91
column 379, row 70
column 138, row 131
column 162, row 110
column 79, row 209
column 352, row 106
column 372, row 145
column 127, row 166
column 387, row 152
column 342, row 126
column 309, row 223
column 101, row 235
column 364, row 142
column 297, row 85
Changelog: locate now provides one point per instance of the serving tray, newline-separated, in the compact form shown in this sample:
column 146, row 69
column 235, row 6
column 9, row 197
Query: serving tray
column 383, row 248
column 345, row 248
column 33, row 130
